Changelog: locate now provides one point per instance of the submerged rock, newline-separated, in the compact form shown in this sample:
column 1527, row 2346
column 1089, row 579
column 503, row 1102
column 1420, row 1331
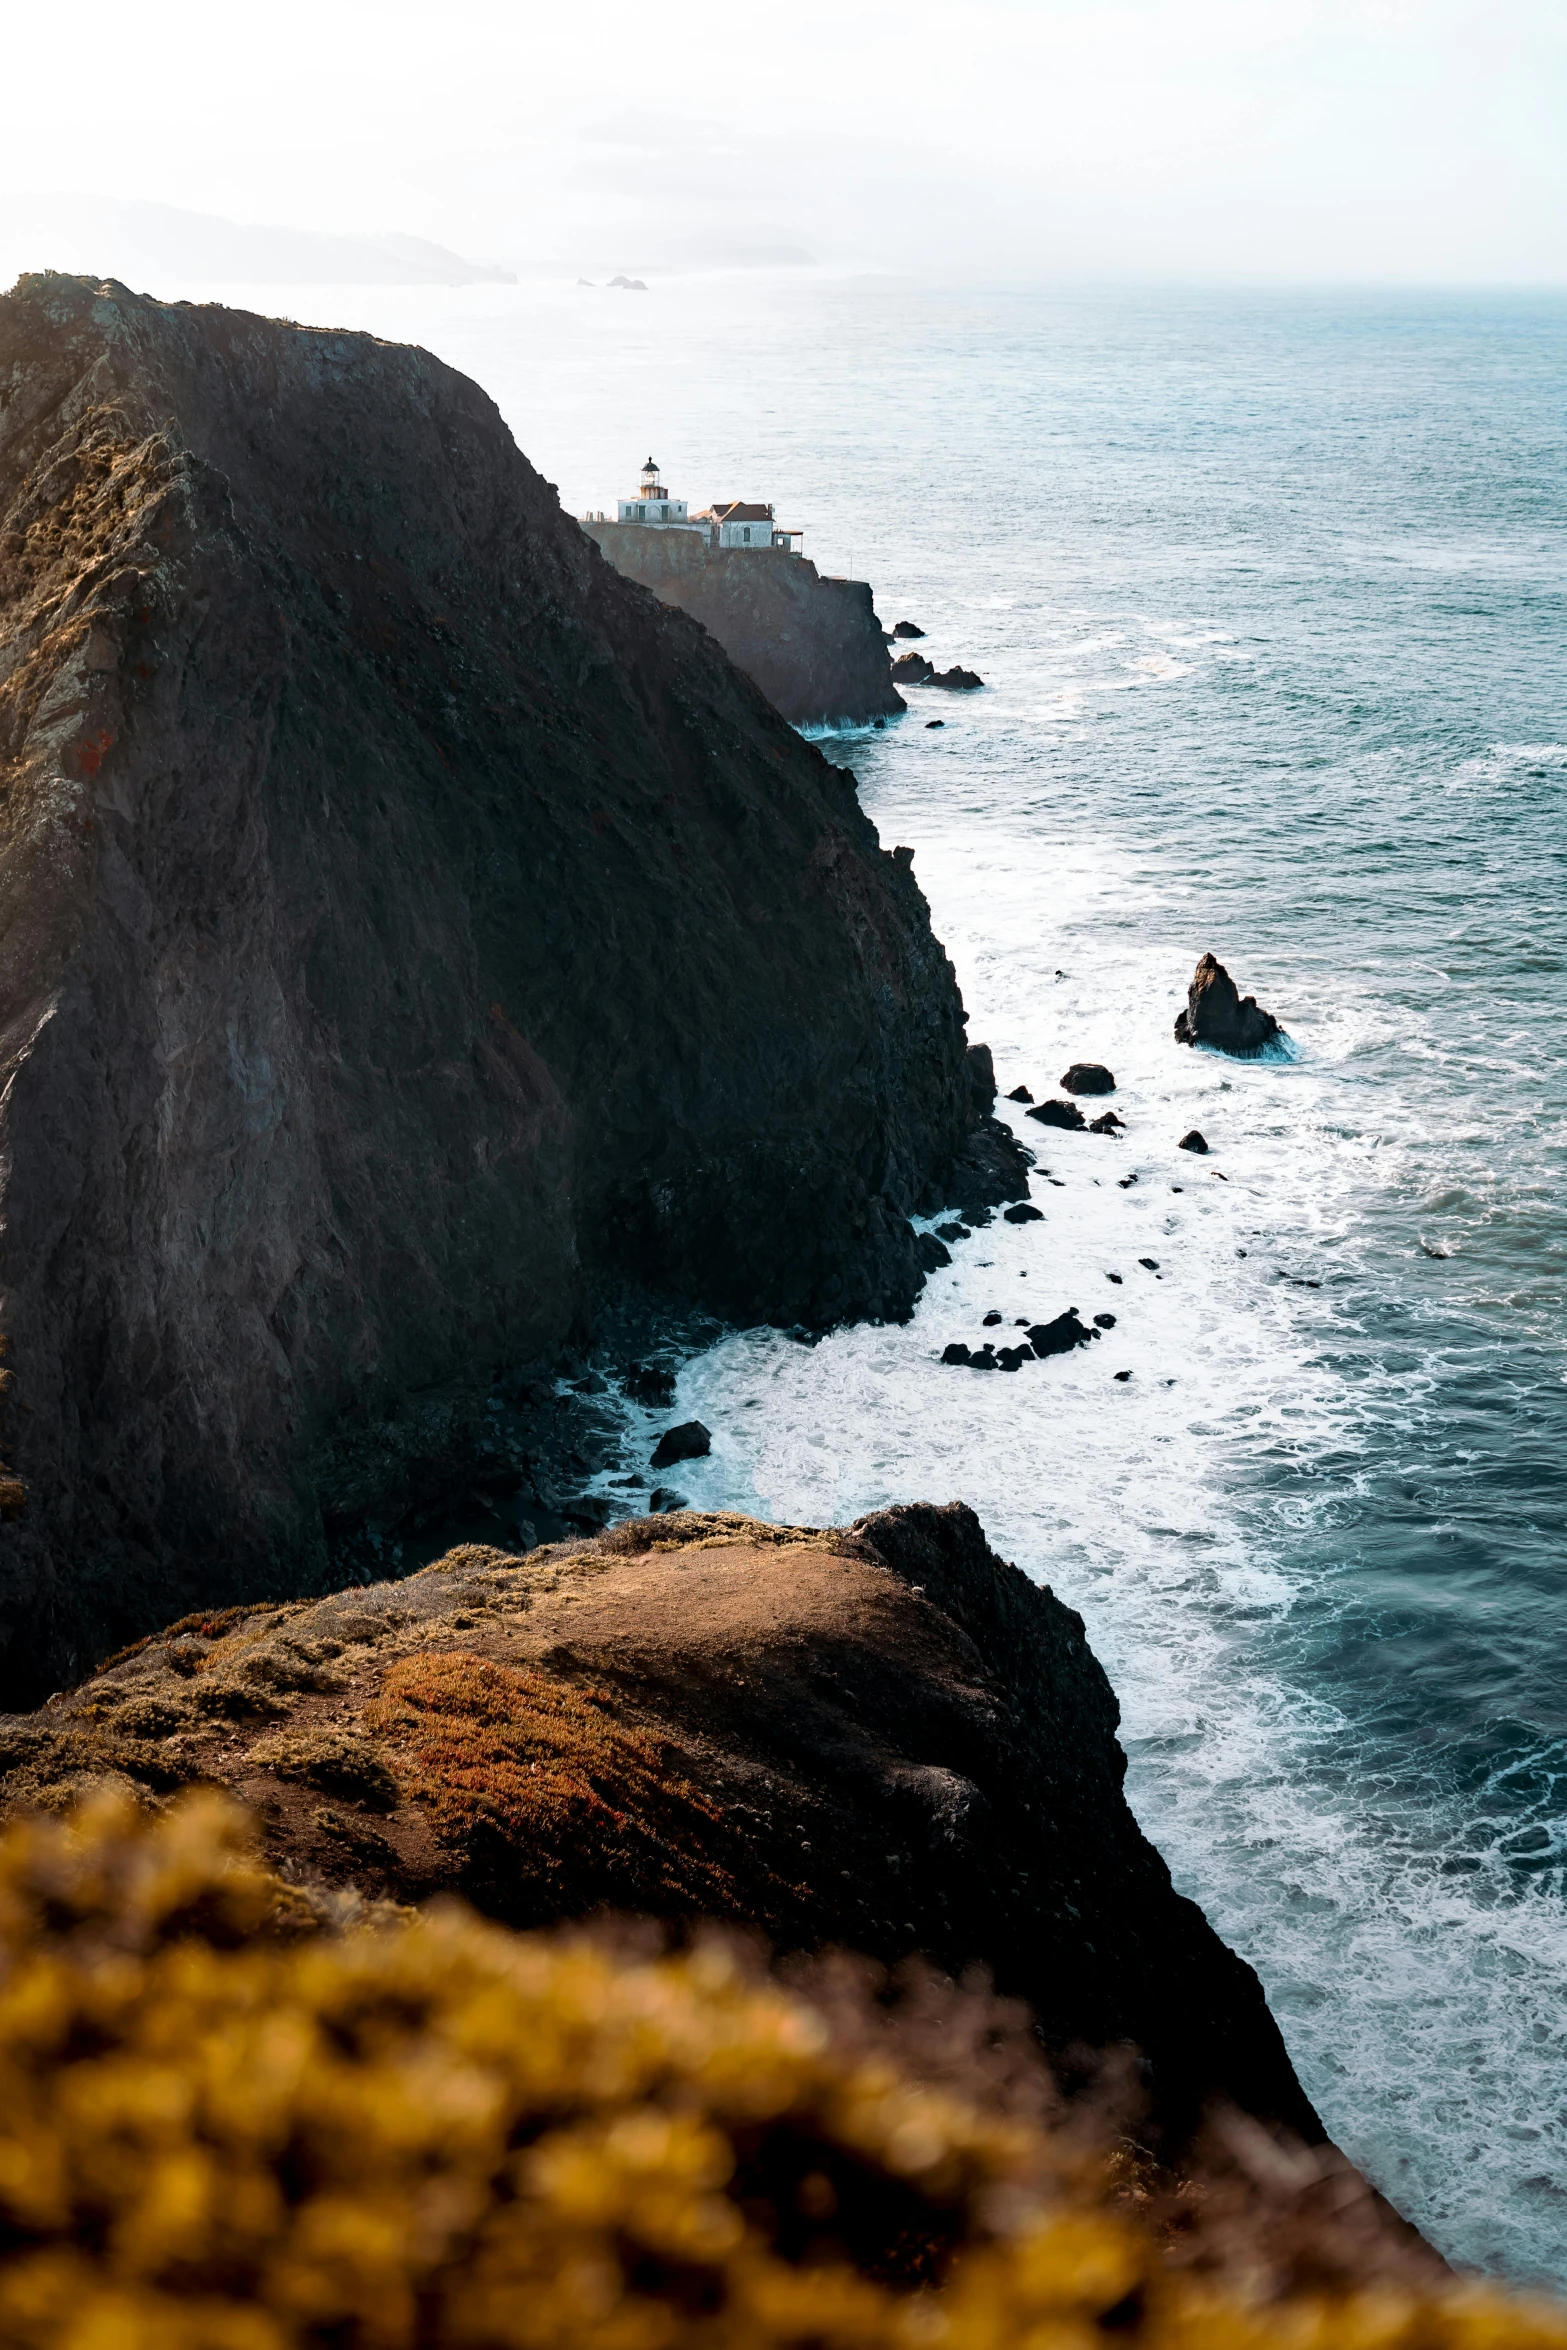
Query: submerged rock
column 1217, row 1014
column 913, row 669
column 1109, row 1123
column 689, row 1442
column 1063, row 1114
column 1060, row 1336
column 1088, row 1077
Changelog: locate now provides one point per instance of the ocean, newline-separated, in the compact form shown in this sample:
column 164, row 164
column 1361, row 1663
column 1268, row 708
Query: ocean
column 1267, row 590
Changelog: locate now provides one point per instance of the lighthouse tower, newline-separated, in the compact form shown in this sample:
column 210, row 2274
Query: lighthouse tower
column 653, row 504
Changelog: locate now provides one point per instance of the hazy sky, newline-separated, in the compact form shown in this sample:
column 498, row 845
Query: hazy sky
column 1403, row 139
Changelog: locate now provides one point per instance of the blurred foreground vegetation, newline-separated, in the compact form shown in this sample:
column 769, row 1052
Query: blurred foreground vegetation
column 232, row 2121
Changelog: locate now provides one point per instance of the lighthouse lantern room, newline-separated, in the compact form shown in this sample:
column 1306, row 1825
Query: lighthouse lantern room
column 653, row 502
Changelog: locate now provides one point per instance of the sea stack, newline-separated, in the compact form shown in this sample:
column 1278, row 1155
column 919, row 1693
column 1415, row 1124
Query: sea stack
column 1217, row 1014
column 413, row 932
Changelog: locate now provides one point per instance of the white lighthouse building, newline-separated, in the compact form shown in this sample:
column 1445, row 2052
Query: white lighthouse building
column 653, row 504
column 732, row 523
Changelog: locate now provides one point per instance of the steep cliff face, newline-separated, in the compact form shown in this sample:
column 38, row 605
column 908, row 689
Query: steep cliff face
column 813, row 645
column 406, row 924
column 883, row 1738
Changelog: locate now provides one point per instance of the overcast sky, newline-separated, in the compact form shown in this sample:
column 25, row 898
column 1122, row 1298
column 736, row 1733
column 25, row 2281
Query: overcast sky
column 1369, row 139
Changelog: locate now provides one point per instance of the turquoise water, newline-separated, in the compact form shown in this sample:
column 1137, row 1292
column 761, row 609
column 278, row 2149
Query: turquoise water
column 1268, row 592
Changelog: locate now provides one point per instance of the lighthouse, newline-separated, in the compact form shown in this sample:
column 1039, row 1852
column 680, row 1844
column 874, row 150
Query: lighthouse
column 653, row 503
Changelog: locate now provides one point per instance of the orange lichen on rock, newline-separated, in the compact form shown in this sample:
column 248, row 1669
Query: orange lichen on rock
column 427, row 2133
column 571, row 1790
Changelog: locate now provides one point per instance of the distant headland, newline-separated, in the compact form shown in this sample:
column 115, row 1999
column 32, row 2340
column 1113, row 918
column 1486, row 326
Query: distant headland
column 814, row 645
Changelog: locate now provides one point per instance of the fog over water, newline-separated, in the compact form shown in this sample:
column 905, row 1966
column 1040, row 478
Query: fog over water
column 1268, row 592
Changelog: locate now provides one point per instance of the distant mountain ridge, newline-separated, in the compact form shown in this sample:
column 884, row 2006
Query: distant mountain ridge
column 138, row 241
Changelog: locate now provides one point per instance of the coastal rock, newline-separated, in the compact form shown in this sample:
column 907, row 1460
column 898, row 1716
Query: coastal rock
column 993, row 1166
column 1064, row 1114
column 912, row 669
column 1088, row 1077
column 906, row 628
column 1024, row 1212
column 1109, row 1123
column 931, row 1252
column 689, row 1442
column 1060, row 1336
column 1194, row 1141
column 1020, row 1093
column 1217, row 1014
column 307, row 1132
column 883, row 1739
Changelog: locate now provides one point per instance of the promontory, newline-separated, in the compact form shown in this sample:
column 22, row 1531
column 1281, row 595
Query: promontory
column 411, row 934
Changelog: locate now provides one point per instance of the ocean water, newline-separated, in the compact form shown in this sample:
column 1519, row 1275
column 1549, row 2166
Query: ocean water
column 1268, row 593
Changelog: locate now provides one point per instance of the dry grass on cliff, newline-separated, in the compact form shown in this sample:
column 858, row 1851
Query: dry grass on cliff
column 222, row 2128
column 574, row 1794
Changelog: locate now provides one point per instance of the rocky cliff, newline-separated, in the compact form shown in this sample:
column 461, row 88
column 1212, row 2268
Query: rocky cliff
column 409, row 929
column 883, row 1738
column 813, row 645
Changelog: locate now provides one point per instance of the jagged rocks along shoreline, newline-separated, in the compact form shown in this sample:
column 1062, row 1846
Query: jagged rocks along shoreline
column 814, row 645
column 409, row 930
column 883, row 1738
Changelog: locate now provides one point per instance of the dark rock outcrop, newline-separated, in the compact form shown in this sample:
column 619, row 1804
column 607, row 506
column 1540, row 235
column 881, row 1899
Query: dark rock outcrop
column 689, row 1442
column 412, row 932
column 813, row 645
column 992, row 1166
column 1088, row 1077
column 1066, row 1115
column 884, row 1738
column 1060, row 1336
column 1194, row 1141
column 1218, row 1014
column 1108, row 1123
column 906, row 628
column 914, row 669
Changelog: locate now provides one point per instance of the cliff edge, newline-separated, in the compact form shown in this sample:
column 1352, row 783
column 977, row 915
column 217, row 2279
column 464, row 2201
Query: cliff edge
column 883, row 1738
column 409, row 930
column 813, row 645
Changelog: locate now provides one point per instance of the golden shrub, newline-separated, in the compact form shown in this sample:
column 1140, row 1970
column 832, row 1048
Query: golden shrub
column 221, row 2132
